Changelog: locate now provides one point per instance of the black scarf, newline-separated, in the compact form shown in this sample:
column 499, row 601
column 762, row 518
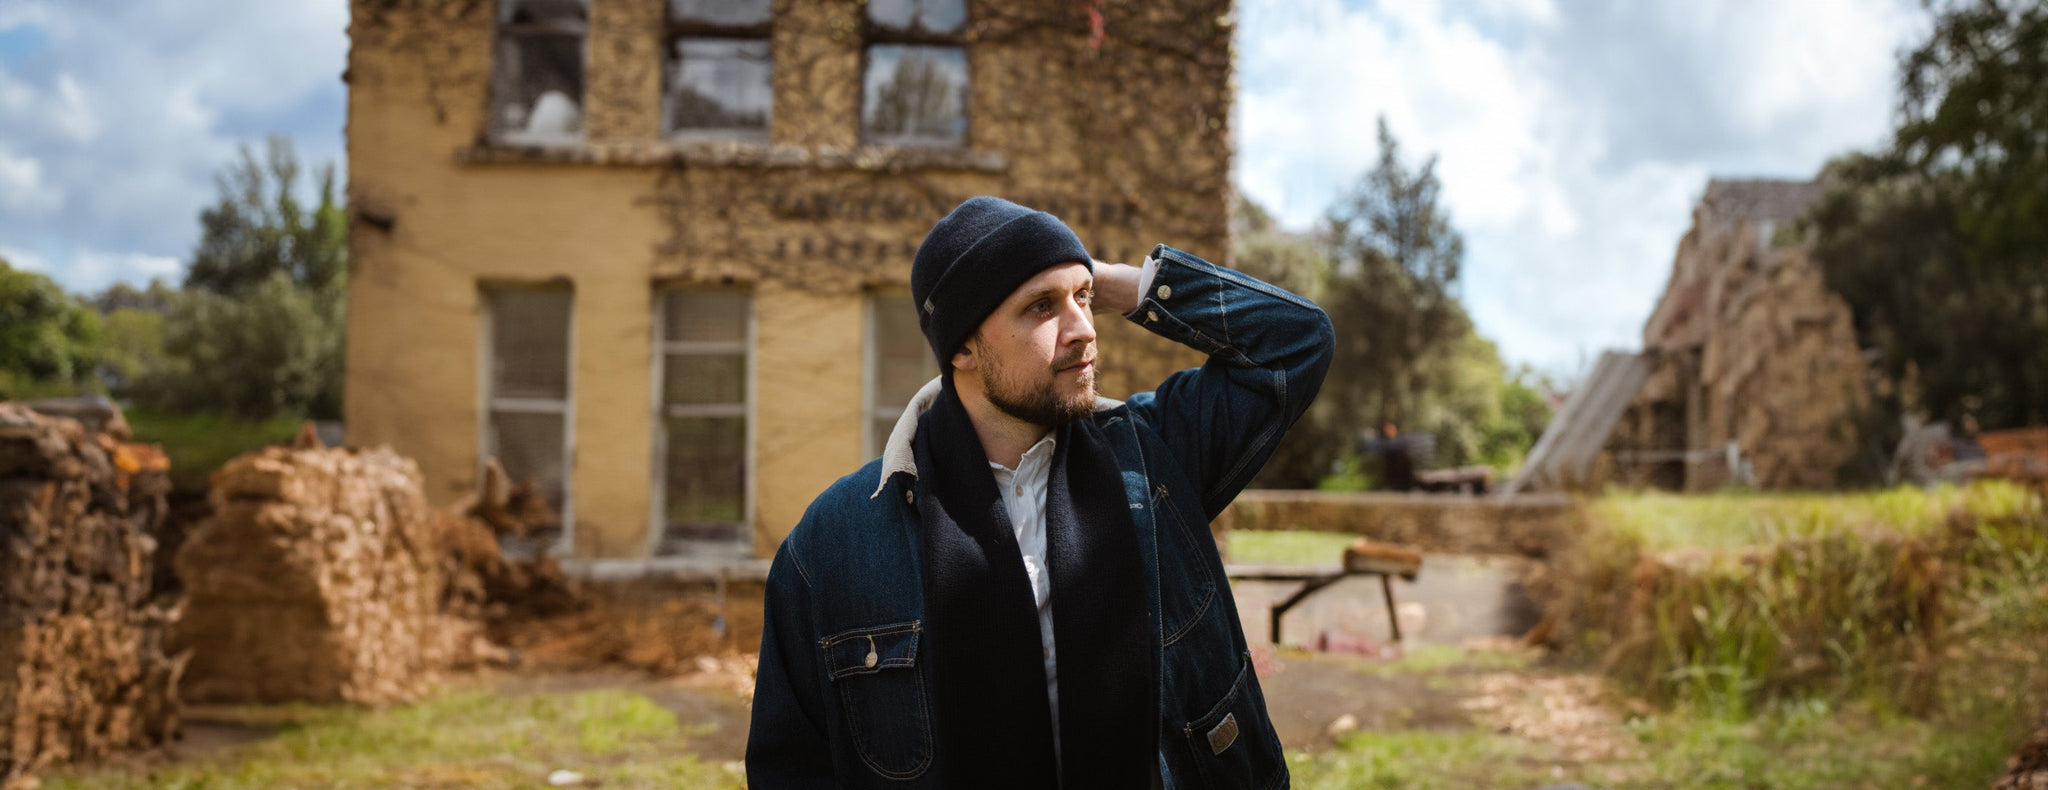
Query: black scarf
column 994, row 724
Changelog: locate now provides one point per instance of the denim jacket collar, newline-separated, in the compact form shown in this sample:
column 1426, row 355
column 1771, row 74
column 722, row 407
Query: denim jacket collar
column 897, row 456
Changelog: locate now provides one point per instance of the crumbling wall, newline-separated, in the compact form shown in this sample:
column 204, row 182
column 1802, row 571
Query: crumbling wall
column 319, row 578
column 1750, row 347
column 82, row 666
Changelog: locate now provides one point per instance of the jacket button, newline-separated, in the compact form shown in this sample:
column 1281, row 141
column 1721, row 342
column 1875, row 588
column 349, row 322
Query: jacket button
column 1151, row 315
column 1165, row 291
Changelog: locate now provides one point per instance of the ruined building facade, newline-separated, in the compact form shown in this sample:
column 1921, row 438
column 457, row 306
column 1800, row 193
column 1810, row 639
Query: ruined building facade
column 653, row 255
column 1753, row 367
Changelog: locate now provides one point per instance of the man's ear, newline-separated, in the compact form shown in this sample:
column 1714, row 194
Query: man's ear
column 965, row 358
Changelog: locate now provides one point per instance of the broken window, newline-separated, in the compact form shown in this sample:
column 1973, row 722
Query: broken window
column 537, row 85
column 526, row 333
column 717, row 79
column 704, row 360
column 899, row 362
column 915, row 88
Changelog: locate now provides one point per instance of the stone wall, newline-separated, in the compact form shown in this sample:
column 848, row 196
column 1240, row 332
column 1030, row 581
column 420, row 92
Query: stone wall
column 82, row 668
column 1748, row 346
column 1535, row 526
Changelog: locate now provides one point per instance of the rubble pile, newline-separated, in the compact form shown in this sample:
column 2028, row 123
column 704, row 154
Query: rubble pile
column 318, row 578
column 83, row 671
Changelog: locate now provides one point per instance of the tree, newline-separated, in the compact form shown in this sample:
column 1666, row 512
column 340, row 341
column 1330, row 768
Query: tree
column 1940, row 243
column 258, row 330
column 49, row 343
column 1385, row 267
column 272, row 350
column 259, row 227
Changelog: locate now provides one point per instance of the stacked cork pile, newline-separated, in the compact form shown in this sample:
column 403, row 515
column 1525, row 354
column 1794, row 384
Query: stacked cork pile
column 82, row 666
column 318, row 578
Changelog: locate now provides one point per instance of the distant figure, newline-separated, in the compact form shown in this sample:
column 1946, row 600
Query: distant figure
column 1397, row 459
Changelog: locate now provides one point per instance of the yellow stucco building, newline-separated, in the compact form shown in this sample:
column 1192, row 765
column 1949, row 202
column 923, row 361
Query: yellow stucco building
column 653, row 255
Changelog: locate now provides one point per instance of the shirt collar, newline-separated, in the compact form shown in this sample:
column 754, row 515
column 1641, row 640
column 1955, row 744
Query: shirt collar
column 897, row 455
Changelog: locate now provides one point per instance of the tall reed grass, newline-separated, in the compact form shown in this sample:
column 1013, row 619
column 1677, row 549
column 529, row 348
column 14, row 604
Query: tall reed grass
column 1726, row 602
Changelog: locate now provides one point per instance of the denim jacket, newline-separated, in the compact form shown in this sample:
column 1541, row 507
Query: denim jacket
column 840, row 699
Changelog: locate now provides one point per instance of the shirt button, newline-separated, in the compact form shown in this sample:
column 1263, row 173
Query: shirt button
column 1020, row 490
column 910, row 497
column 1165, row 291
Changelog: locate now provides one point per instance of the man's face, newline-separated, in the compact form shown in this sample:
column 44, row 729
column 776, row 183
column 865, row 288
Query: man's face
column 1036, row 353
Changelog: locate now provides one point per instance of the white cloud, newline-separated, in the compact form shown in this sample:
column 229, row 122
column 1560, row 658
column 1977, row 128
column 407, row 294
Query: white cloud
column 127, row 110
column 25, row 260
column 1571, row 146
column 22, row 188
column 73, row 114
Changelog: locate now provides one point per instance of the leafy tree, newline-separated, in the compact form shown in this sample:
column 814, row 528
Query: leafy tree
column 273, row 350
column 1385, row 267
column 258, row 330
column 259, row 227
column 1940, row 242
column 49, row 343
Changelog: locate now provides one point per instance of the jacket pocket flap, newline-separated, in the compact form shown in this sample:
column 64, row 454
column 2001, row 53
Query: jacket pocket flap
column 865, row 651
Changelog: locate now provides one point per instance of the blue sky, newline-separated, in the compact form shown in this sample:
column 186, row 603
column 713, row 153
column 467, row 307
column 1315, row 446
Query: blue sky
column 1573, row 137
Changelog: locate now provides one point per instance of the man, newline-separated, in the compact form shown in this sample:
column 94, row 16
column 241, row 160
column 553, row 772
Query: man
column 1022, row 591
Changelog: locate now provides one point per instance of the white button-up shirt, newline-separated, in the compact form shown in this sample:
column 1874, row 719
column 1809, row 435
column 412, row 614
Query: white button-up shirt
column 1023, row 491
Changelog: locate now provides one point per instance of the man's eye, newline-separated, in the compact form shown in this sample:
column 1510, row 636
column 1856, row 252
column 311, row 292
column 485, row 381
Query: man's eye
column 1085, row 297
column 1042, row 306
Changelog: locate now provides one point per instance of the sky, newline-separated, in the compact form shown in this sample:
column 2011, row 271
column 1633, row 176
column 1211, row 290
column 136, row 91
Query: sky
column 1572, row 138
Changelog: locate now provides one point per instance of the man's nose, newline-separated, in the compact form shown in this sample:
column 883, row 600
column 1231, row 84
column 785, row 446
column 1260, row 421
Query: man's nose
column 1079, row 323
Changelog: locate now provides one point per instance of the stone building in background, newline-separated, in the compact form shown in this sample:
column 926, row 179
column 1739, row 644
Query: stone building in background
column 654, row 254
column 1753, row 367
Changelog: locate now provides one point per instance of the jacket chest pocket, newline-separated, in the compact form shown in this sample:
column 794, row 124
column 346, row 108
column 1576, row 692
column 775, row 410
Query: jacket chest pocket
column 882, row 694
column 1187, row 590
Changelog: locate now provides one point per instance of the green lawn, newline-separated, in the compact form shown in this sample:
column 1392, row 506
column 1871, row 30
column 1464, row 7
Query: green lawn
column 463, row 739
column 198, row 444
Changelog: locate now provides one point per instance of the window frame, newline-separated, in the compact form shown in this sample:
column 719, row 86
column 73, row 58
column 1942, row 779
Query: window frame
column 502, row 30
column 746, row 411
column 489, row 404
column 871, row 409
column 673, row 32
column 875, row 34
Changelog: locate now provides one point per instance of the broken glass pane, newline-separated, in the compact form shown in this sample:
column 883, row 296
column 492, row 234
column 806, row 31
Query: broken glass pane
column 705, row 316
column 719, row 12
column 719, row 83
column 530, row 344
column 530, row 447
column 544, row 12
column 928, row 16
column 915, row 95
column 538, row 88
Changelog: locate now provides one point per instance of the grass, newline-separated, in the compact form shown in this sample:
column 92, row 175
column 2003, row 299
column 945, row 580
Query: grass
column 198, row 444
column 1805, row 744
column 1725, row 522
column 1278, row 547
column 464, row 739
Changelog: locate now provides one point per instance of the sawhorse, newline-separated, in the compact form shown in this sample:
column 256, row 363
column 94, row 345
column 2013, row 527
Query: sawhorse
column 1361, row 558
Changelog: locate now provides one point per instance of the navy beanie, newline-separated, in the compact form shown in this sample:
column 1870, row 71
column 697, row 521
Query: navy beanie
column 974, row 258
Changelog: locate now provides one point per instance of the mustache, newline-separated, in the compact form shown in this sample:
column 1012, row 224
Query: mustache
column 1078, row 357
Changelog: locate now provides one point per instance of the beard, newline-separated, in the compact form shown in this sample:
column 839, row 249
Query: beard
column 1041, row 403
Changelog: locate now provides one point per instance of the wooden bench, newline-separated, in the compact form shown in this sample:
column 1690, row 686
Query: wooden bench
column 1363, row 557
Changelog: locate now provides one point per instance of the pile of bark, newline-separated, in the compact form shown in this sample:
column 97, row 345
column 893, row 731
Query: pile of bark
column 484, row 585
column 318, row 578
column 83, row 671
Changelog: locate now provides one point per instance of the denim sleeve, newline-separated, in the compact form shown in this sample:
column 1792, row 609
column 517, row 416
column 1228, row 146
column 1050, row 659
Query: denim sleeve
column 1268, row 352
column 787, row 745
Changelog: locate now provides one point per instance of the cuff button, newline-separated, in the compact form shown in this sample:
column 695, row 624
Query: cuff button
column 1165, row 292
